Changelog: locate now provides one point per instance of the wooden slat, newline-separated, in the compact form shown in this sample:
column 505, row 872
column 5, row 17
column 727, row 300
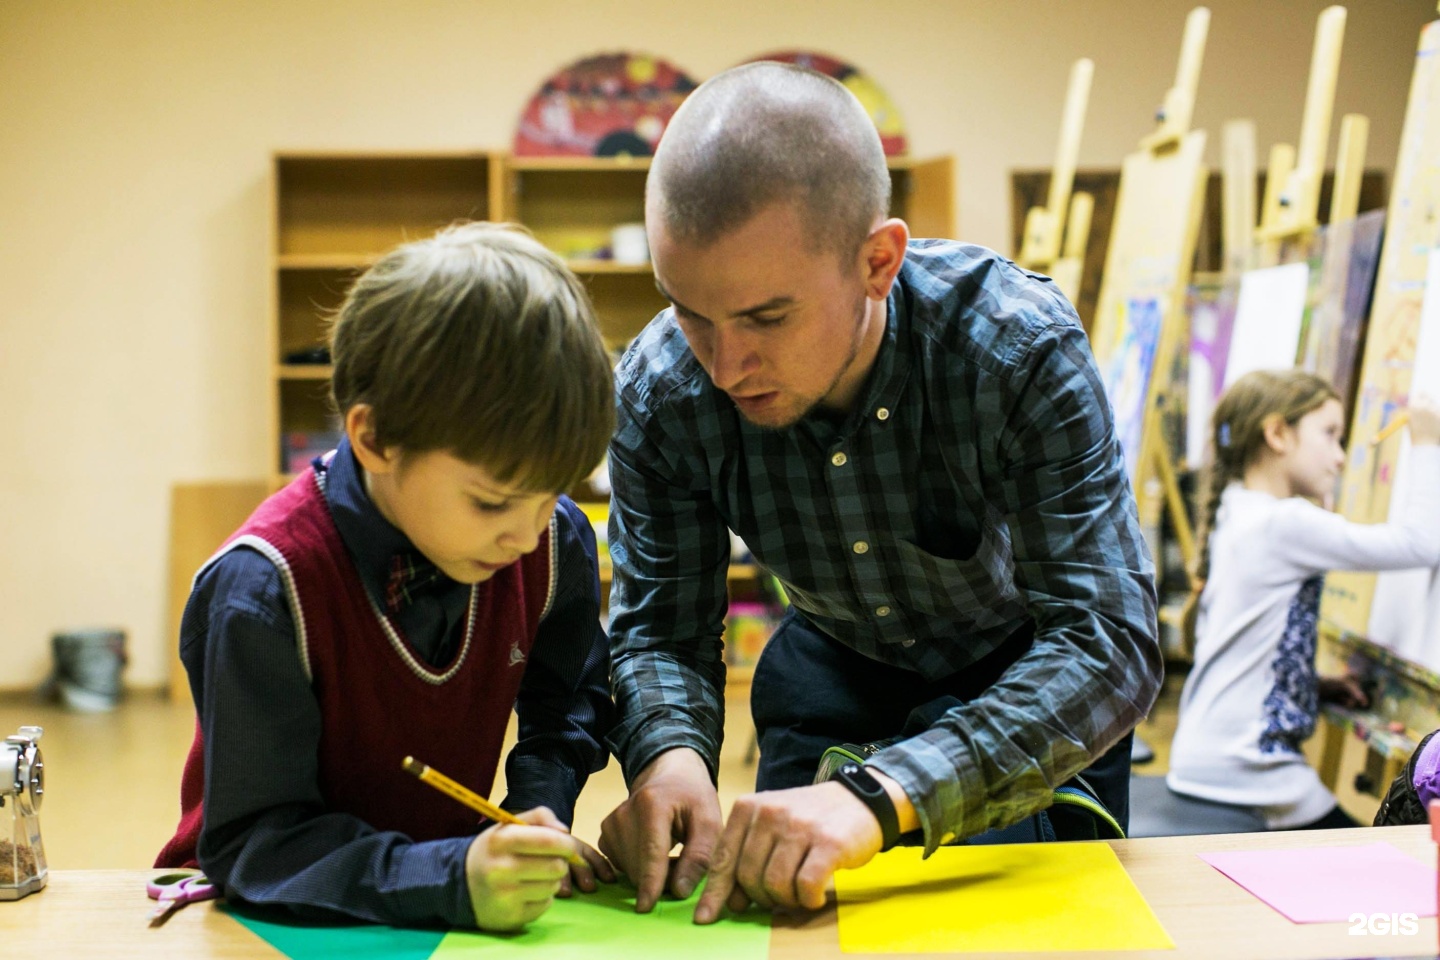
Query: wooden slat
column 202, row 515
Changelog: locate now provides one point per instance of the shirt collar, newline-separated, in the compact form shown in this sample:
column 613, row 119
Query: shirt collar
column 885, row 383
column 370, row 539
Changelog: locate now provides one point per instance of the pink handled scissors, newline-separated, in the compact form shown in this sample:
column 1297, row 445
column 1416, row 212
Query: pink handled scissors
column 171, row 891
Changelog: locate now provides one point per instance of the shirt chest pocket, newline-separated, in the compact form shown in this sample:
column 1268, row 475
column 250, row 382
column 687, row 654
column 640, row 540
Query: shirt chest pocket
column 979, row 590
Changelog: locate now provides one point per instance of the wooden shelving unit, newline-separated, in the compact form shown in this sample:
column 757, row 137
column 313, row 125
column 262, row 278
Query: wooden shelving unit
column 335, row 213
column 573, row 203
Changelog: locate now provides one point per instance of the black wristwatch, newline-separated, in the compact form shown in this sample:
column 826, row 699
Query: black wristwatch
column 859, row 782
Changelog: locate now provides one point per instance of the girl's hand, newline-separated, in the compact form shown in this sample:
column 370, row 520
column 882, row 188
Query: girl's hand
column 1424, row 420
column 1345, row 691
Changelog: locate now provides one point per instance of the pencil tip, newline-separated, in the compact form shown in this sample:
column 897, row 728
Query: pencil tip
column 414, row 766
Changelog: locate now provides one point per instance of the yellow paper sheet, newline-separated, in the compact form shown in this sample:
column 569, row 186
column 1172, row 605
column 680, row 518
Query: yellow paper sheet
column 995, row 899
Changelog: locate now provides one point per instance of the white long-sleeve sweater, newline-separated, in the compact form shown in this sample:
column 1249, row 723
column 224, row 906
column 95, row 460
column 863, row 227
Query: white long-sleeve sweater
column 1238, row 702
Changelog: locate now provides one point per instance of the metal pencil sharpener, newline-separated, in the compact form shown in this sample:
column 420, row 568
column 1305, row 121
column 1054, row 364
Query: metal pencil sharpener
column 22, row 786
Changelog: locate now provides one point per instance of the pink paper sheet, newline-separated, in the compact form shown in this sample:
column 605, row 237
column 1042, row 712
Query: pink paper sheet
column 1330, row 884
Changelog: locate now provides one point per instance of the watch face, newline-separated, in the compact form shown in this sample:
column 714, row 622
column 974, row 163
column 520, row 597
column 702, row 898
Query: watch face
column 850, row 769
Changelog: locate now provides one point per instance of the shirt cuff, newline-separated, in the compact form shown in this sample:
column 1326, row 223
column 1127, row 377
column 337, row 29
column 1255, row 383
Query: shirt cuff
column 462, row 910
column 942, row 775
column 640, row 750
column 536, row 782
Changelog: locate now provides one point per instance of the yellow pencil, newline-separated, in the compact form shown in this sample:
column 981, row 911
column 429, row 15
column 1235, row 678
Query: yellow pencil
column 473, row 800
column 1391, row 428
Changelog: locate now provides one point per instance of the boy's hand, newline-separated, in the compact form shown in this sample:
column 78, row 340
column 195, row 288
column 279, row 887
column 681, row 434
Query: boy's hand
column 1424, row 420
column 596, row 866
column 514, row 872
column 671, row 801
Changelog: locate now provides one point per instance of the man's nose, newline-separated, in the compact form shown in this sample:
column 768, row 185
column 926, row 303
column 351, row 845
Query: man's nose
column 731, row 360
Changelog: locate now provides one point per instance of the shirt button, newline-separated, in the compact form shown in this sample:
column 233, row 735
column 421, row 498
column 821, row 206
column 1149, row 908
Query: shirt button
column 882, row 611
column 882, row 414
column 908, row 642
column 861, row 547
column 839, row 459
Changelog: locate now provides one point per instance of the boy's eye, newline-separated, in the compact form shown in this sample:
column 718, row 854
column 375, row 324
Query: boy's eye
column 768, row 321
column 486, row 507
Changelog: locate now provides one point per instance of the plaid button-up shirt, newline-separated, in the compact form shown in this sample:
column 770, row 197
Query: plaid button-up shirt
column 977, row 484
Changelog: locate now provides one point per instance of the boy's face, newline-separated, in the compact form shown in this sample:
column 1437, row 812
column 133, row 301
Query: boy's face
column 456, row 514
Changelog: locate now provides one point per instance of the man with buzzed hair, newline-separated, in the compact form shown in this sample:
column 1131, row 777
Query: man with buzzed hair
column 913, row 438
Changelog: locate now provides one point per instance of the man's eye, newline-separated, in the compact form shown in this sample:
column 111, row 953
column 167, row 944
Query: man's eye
column 769, row 321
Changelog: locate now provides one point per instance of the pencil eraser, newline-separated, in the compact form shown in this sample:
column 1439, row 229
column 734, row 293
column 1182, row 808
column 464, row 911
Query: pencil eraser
column 1435, row 820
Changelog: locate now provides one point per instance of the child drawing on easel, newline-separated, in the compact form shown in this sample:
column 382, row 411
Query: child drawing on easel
column 1252, row 696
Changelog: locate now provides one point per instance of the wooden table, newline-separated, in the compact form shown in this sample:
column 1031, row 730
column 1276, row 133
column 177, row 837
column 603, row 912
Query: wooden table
column 101, row 913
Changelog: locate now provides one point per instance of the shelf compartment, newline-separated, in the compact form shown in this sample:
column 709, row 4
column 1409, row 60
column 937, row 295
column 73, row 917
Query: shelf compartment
column 364, row 205
column 306, row 299
column 573, row 209
column 303, row 371
column 624, row 304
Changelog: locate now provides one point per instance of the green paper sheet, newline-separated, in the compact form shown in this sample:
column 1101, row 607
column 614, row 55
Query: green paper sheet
column 358, row 942
column 606, row 925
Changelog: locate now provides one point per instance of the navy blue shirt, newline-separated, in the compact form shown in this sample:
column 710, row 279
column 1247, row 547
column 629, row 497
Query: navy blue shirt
column 267, row 836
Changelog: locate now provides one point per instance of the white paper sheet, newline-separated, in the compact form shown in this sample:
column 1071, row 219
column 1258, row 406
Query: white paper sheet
column 1267, row 320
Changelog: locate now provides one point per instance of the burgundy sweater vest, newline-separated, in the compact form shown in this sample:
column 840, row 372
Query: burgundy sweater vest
column 379, row 702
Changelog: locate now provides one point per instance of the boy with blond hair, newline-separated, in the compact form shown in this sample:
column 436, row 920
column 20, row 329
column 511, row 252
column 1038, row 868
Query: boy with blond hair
column 402, row 596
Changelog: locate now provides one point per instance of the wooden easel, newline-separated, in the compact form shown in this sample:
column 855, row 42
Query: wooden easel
column 1412, row 229
column 1289, row 216
column 1214, row 293
column 1407, row 691
column 1152, row 251
column 1292, row 181
column 1329, row 309
column 1237, row 211
column 1288, row 232
column 1044, row 226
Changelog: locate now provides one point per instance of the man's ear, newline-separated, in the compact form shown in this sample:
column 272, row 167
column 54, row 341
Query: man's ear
column 882, row 255
column 1277, row 433
column 360, row 428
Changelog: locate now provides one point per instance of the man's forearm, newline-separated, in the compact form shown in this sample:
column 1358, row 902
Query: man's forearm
column 662, row 704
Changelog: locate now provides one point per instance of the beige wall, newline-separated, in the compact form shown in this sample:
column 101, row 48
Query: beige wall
column 134, row 148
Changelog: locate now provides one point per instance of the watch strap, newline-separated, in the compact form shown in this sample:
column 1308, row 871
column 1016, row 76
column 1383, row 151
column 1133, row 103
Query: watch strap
column 868, row 791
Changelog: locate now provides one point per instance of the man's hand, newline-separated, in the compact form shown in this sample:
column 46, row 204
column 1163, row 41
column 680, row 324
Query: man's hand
column 780, row 848
column 671, row 801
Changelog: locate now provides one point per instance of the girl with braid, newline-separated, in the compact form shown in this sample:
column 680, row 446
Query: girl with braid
column 1252, row 696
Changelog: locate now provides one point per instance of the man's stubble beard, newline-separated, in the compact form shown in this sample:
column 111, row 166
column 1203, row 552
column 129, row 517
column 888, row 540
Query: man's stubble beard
column 810, row 403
